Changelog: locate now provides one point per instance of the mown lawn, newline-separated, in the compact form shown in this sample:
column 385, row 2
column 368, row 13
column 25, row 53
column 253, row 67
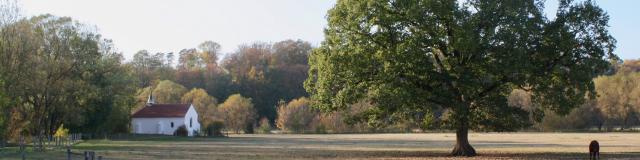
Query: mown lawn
column 355, row 146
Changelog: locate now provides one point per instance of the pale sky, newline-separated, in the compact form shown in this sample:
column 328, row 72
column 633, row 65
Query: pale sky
column 172, row 25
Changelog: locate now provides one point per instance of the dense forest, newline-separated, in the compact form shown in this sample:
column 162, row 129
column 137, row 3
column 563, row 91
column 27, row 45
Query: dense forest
column 55, row 70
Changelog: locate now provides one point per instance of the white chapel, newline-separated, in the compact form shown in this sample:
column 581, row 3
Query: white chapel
column 165, row 118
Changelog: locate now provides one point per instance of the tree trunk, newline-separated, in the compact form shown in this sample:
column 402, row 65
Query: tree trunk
column 624, row 123
column 600, row 127
column 462, row 147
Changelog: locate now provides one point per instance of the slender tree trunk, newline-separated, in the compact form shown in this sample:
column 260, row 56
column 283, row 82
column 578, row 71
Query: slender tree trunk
column 600, row 126
column 624, row 123
column 462, row 147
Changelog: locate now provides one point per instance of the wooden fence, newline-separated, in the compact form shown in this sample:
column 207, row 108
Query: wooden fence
column 41, row 143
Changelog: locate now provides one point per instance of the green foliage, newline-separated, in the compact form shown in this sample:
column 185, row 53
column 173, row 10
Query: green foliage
column 112, row 97
column 4, row 114
column 58, row 71
column 269, row 72
column 429, row 122
column 466, row 57
column 321, row 129
column 215, row 129
column 263, row 71
column 249, row 128
column 61, row 132
column 150, row 68
column 265, row 126
column 168, row 92
column 204, row 104
column 181, row 131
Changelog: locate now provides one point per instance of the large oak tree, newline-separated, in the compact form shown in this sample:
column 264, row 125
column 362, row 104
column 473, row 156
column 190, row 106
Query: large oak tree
column 466, row 57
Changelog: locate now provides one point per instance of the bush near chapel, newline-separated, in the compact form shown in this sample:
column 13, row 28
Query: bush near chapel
column 181, row 131
column 215, row 129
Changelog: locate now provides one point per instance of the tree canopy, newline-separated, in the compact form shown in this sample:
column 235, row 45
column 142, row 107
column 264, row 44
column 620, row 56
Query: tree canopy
column 238, row 113
column 204, row 104
column 168, row 92
column 463, row 56
column 296, row 115
column 56, row 70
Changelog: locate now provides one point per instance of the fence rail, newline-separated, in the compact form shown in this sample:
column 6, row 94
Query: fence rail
column 41, row 143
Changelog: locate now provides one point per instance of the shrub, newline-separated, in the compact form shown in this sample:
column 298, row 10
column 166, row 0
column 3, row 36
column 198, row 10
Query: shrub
column 347, row 121
column 321, row 129
column 296, row 116
column 215, row 129
column 265, row 126
column 238, row 113
column 61, row 132
column 181, row 131
column 248, row 129
column 204, row 104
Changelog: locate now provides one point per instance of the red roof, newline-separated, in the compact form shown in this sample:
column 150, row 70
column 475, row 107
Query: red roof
column 162, row 110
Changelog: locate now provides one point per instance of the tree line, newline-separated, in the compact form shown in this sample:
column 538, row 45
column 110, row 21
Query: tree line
column 615, row 107
column 263, row 71
column 56, row 71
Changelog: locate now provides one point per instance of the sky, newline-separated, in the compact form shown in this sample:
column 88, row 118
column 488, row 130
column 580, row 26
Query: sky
column 170, row 25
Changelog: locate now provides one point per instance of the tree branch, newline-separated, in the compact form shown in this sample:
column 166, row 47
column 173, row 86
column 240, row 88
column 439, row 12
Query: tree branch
column 489, row 89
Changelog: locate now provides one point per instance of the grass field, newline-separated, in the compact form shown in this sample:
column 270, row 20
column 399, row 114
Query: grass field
column 356, row 146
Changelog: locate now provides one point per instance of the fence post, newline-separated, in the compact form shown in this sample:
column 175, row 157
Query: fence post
column 33, row 140
column 22, row 147
column 86, row 155
column 93, row 155
column 20, row 143
column 68, row 153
